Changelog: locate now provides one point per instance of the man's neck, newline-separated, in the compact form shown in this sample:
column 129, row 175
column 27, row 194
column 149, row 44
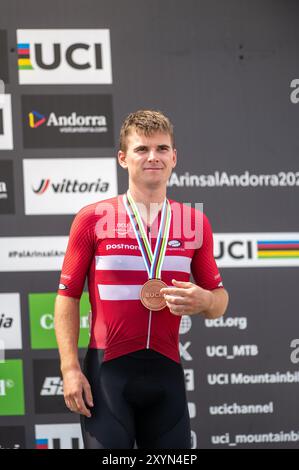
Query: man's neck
column 149, row 202
column 148, row 196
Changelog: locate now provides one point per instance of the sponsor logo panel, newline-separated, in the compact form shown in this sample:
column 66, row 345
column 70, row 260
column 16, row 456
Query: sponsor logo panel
column 11, row 388
column 239, row 378
column 3, row 56
column 56, row 56
column 48, row 387
column 7, row 200
column 58, row 436
column 239, row 323
column 64, row 186
column 256, row 249
column 32, row 253
column 234, row 351
column 6, row 139
column 232, row 409
column 222, row 179
column 10, row 321
column 41, row 313
column 266, row 439
column 53, row 121
column 12, row 437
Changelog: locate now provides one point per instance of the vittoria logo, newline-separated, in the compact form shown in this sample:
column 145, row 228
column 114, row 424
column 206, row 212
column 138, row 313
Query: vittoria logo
column 71, row 186
column 55, row 56
column 48, row 192
column 42, row 187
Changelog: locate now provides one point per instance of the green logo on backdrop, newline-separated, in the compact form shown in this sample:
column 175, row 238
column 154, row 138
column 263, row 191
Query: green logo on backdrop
column 41, row 312
column 11, row 388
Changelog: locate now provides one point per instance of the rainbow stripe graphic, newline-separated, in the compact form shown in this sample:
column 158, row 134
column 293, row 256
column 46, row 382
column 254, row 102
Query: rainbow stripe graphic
column 278, row 249
column 24, row 61
column 41, row 444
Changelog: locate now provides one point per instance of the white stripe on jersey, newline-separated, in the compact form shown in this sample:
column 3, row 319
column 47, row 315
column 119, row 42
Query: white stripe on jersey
column 119, row 292
column 136, row 263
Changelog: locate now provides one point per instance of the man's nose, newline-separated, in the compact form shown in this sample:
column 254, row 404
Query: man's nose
column 152, row 155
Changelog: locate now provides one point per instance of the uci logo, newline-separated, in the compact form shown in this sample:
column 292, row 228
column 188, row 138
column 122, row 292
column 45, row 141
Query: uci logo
column 71, row 56
column 236, row 249
column 123, row 228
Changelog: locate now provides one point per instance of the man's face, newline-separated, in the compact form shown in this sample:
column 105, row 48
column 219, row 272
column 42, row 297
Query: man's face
column 149, row 160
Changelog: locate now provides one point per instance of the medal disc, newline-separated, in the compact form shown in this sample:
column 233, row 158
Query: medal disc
column 150, row 294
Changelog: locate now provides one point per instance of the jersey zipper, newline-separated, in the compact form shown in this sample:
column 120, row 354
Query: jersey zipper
column 150, row 314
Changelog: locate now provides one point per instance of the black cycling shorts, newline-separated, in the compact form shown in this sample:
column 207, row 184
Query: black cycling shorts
column 139, row 400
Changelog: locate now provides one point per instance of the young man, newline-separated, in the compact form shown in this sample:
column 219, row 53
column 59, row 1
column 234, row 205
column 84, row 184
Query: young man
column 138, row 258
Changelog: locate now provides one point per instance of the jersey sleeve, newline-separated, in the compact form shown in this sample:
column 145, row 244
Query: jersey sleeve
column 203, row 265
column 79, row 254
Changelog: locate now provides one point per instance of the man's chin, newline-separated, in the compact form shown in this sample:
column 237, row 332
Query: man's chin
column 154, row 183
column 151, row 183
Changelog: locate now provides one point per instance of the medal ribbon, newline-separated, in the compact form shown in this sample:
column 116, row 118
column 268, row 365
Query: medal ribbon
column 153, row 261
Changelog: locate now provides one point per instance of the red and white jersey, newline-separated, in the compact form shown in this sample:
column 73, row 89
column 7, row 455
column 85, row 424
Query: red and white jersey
column 103, row 247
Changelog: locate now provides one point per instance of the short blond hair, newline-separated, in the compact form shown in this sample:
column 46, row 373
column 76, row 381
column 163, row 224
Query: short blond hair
column 146, row 122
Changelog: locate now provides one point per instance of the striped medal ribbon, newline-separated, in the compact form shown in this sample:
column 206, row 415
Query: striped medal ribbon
column 150, row 292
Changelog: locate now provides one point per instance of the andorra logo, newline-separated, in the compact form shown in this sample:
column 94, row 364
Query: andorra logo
column 36, row 119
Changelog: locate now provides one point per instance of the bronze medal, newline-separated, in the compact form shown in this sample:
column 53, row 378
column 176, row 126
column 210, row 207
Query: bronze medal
column 150, row 294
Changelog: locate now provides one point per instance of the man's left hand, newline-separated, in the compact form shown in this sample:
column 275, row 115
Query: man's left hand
column 186, row 298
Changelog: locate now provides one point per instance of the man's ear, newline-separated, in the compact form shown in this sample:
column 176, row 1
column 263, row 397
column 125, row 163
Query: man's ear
column 174, row 158
column 122, row 160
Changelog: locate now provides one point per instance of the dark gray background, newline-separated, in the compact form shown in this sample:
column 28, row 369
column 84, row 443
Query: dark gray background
column 222, row 72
